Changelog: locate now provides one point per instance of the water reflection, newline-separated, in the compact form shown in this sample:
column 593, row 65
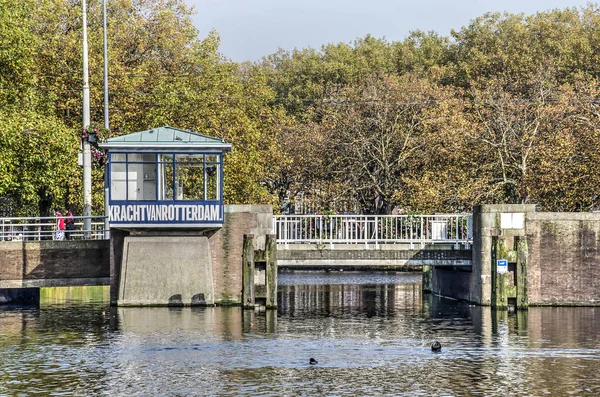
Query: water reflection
column 369, row 331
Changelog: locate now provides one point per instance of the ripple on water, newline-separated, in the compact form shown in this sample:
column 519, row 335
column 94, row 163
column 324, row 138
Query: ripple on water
column 371, row 334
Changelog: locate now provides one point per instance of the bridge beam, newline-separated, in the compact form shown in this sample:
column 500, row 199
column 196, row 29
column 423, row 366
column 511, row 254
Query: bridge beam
column 387, row 257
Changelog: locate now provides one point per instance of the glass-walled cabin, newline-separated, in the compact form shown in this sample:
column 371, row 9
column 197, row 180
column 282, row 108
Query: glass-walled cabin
column 174, row 188
column 165, row 177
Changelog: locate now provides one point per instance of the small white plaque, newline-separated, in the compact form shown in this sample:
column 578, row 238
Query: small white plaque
column 514, row 220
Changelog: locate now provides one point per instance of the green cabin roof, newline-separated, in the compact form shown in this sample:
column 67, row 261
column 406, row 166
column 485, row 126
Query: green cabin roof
column 166, row 138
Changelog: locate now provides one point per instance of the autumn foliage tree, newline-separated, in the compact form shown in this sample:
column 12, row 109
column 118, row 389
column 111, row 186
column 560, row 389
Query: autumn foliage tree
column 503, row 110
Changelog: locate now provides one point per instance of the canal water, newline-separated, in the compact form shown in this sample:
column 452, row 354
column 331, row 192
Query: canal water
column 369, row 332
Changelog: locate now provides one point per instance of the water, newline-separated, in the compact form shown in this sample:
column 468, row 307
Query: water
column 370, row 333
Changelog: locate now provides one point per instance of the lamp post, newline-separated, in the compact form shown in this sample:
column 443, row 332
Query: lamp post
column 87, row 156
column 105, row 65
column 106, row 124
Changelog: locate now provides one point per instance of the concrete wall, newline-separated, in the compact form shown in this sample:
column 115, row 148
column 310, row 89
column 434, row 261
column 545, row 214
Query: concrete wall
column 32, row 264
column 561, row 258
column 487, row 224
column 166, row 270
column 172, row 267
column 564, row 258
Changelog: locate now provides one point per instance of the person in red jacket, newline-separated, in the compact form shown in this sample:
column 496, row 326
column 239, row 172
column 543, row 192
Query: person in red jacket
column 59, row 233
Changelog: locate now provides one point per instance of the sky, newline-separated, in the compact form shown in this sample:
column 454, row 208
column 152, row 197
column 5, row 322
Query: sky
column 251, row 29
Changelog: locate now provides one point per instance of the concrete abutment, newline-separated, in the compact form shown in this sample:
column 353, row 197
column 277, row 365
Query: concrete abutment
column 172, row 267
column 525, row 258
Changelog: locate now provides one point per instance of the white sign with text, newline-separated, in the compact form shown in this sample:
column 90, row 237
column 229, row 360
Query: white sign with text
column 141, row 213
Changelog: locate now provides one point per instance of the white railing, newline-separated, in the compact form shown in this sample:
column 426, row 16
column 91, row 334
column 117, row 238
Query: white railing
column 44, row 228
column 374, row 229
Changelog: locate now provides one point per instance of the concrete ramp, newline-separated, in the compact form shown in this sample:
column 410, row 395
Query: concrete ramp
column 166, row 270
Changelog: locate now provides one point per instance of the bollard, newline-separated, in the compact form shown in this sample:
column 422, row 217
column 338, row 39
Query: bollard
column 271, row 259
column 248, row 272
column 521, row 270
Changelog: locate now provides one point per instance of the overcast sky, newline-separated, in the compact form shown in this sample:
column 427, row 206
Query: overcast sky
column 250, row 29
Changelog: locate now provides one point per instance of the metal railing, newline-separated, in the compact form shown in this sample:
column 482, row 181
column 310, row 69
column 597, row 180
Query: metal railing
column 375, row 229
column 45, row 228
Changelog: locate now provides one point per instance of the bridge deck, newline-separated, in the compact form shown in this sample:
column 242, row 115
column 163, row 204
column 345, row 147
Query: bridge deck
column 384, row 256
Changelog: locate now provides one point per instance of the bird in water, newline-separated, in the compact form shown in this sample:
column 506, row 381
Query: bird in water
column 312, row 361
column 436, row 347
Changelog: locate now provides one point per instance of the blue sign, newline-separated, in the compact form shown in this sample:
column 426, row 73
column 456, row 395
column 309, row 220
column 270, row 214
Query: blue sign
column 502, row 265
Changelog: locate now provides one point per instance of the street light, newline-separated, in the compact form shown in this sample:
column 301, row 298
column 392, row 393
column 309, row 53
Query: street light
column 87, row 155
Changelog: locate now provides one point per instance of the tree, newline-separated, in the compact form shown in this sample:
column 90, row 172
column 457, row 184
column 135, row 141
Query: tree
column 161, row 73
column 566, row 175
column 38, row 154
column 17, row 48
column 373, row 131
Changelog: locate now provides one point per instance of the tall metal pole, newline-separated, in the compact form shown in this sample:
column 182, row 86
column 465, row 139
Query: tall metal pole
column 106, row 124
column 105, row 66
column 87, row 156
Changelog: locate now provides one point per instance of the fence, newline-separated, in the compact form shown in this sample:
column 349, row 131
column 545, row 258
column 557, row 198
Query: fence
column 44, row 228
column 374, row 229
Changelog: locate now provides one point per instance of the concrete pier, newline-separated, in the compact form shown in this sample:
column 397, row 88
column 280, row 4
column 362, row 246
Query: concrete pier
column 174, row 267
column 173, row 270
column 551, row 259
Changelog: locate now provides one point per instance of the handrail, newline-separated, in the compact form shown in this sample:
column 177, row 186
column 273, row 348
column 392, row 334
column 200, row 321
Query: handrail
column 374, row 229
column 45, row 228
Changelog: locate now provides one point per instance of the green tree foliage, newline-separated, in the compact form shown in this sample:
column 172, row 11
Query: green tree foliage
column 17, row 49
column 302, row 78
column 37, row 152
column 503, row 110
column 421, row 52
column 161, row 73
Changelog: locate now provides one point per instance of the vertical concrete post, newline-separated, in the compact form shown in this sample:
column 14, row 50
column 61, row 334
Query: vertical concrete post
column 427, row 279
column 271, row 321
column 117, row 239
column 271, row 259
column 499, row 290
column 521, row 270
column 484, row 225
column 248, row 271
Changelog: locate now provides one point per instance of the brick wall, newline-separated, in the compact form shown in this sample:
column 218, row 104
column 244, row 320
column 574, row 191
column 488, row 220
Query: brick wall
column 564, row 258
column 226, row 248
column 53, row 263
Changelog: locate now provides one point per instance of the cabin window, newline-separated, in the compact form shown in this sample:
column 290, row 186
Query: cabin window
column 165, row 176
column 213, row 167
column 190, row 176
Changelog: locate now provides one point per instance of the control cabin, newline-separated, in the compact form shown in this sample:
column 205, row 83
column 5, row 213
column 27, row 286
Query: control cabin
column 165, row 178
